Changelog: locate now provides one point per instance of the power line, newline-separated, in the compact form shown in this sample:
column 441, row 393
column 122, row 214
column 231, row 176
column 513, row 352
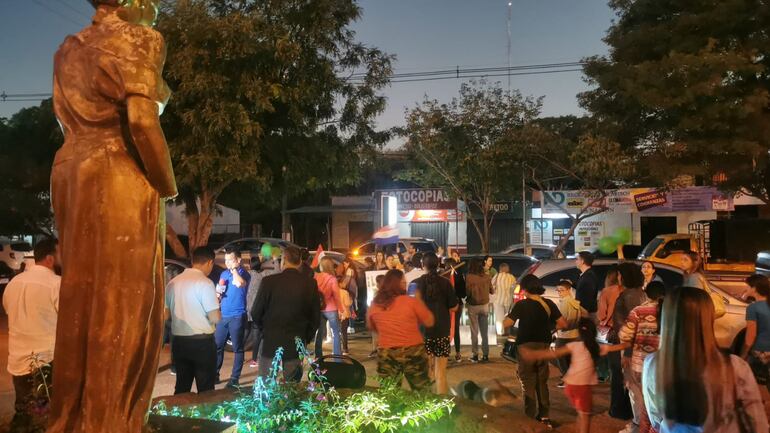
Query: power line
column 512, row 74
column 72, row 8
column 444, row 74
column 54, row 11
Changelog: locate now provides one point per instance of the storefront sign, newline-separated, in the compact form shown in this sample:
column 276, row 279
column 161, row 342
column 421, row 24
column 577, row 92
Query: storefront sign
column 541, row 231
column 439, row 215
column 419, row 199
column 647, row 200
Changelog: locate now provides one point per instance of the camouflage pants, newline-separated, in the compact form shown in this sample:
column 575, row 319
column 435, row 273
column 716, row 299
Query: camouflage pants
column 411, row 362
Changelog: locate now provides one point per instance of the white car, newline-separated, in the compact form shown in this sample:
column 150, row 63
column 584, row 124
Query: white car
column 539, row 251
column 726, row 327
column 14, row 253
column 370, row 248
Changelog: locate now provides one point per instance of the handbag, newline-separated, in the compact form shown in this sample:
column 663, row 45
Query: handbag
column 510, row 347
column 343, row 371
column 509, row 350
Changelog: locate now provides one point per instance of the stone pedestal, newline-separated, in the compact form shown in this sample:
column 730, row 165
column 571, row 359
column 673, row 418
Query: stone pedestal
column 170, row 424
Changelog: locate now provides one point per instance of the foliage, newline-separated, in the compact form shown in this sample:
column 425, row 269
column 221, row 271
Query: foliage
column 466, row 146
column 28, row 143
column 686, row 88
column 315, row 406
column 591, row 164
column 264, row 94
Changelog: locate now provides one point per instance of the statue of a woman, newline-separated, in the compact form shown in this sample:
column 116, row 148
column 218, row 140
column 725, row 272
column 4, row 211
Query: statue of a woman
column 108, row 186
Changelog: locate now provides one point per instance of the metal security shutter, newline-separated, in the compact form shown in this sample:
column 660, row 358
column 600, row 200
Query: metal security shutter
column 504, row 232
column 438, row 231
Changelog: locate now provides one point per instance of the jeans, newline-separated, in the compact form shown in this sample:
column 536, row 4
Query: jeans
column 234, row 328
column 479, row 316
column 634, row 385
column 620, row 405
column 196, row 359
column 534, row 383
column 292, row 368
column 458, row 316
column 333, row 318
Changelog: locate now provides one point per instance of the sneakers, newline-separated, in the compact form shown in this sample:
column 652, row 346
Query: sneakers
column 373, row 354
column 561, row 384
column 475, row 358
column 545, row 420
column 485, row 359
column 458, row 358
column 232, row 384
column 173, row 371
column 253, row 364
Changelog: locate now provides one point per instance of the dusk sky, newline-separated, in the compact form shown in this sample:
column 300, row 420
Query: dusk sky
column 425, row 35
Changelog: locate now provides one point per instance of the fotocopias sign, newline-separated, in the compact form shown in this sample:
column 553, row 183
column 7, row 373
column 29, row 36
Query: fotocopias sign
column 422, row 199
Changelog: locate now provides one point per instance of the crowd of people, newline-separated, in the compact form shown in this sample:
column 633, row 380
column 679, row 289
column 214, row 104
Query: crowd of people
column 658, row 351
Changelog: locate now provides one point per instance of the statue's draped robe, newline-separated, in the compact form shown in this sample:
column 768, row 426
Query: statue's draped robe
column 110, row 222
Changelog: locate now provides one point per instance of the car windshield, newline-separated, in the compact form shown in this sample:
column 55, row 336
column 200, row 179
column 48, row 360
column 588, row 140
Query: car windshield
column 21, row 246
column 424, row 247
column 650, row 248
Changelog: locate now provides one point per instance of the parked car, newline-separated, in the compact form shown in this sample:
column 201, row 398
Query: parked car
column 247, row 247
column 727, row 327
column 369, row 248
column 539, row 251
column 762, row 265
column 172, row 268
column 518, row 263
column 16, row 253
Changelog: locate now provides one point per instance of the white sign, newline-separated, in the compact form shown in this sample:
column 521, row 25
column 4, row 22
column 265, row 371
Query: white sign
column 371, row 284
column 540, row 231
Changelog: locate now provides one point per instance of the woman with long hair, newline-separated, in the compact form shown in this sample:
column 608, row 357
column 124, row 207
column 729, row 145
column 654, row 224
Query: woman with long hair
column 689, row 385
column 396, row 318
column 332, row 307
column 439, row 296
column 348, row 283
column 478, row 284
column 641, row 334
column 648, row 270
column 379, row 261
column 692, row 263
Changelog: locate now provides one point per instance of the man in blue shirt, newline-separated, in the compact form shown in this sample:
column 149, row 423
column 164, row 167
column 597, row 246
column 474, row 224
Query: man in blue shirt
column 232, row 289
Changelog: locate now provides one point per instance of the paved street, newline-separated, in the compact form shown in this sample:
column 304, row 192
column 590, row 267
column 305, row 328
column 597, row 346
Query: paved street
column 484, row 374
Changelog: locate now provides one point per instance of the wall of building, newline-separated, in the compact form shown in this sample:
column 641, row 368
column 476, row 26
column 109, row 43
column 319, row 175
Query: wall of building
column 341, row 227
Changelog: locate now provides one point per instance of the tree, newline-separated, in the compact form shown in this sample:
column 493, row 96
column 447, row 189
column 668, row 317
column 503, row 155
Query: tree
column 561, row 153
column 276, row 93
column 28, row 143
column 465, row 147
column 686, row 87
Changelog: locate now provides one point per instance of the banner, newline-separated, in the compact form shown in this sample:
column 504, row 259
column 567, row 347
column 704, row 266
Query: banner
column 371, row 284
column 427, row 198
column 646, row 200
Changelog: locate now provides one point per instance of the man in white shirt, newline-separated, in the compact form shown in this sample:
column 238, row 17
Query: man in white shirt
column 31, row 300
column 191, row 302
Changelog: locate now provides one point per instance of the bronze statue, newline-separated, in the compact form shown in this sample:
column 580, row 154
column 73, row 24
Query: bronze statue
column 108, row 185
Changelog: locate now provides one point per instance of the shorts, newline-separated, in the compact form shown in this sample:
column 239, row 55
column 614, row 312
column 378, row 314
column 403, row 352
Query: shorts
column 438, row 347
column 581, row 397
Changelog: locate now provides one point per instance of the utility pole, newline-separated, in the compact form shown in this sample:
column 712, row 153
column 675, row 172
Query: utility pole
column 523, row 178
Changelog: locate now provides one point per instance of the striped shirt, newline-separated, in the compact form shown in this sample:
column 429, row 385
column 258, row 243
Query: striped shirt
column 641, row 330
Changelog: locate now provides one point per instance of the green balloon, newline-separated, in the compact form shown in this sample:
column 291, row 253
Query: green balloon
column 607, row 245
column 622, row 236
column 267, row 250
